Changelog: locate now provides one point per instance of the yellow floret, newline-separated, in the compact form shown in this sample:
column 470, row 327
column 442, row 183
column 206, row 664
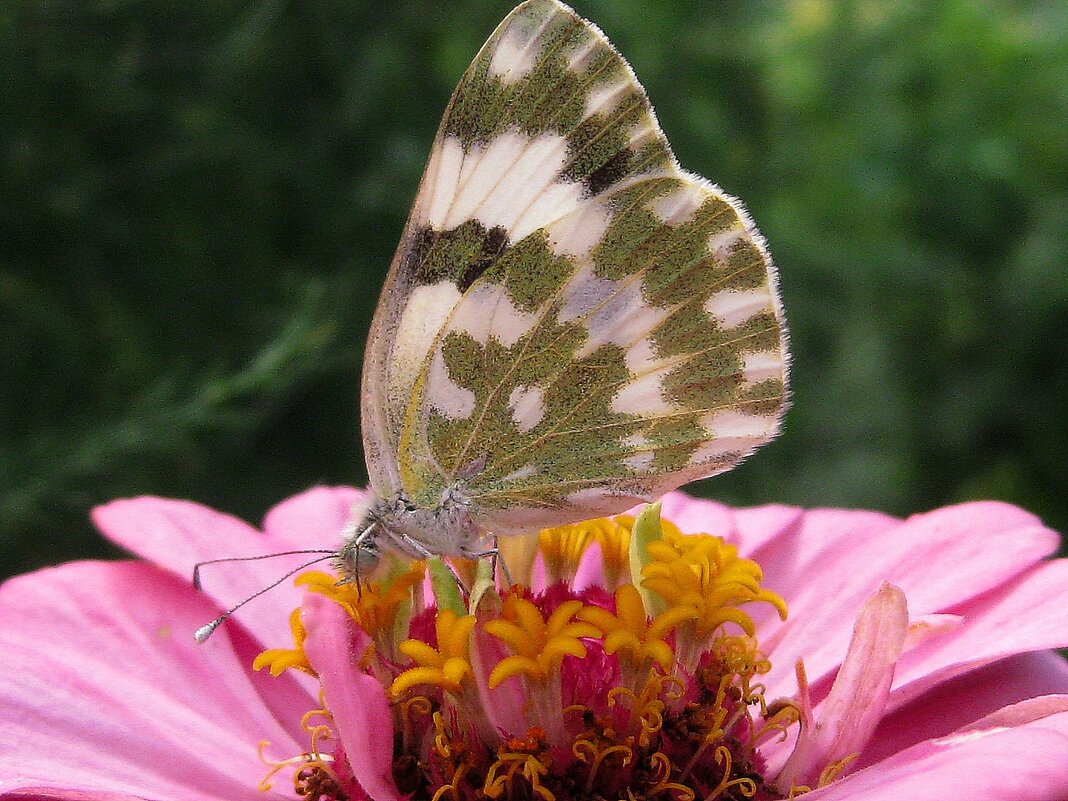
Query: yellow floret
column 539, row 644
column 706, row 574
column 629, row 631
column 448, row 667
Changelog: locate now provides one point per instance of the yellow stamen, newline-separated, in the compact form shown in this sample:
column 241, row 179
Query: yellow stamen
column 782, row 718
column 743, row 785
column 275, row 765
column 317, row 732
column 454, row 757
column 593, row 755
column 313, row 773
column 648, row 706
column 661, row 772
column 453, row 787
column 540, row 645
column 503, row 776
column 279, row 660
column 834, row 770
column 448, row 667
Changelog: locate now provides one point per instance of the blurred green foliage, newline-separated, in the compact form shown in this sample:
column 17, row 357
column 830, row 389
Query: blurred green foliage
column 200, row 200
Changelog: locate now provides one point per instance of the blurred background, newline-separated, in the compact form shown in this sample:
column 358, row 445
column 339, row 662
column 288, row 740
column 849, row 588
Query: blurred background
column 200, row 200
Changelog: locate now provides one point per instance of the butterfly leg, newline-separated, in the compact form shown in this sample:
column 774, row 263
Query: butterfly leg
column 417, row 547
column 497, row 559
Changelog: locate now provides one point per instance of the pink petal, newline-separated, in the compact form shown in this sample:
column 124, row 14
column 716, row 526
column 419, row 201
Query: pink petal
column 924, row 627
column 54, row 794
column 1023, row 763
column 315, row 518
column 975, row 695
column 854, row 706
column 1025, row 616
column 940, row 559
column 356, row 701
column 104, row 691
column 1020, row 714
column 590, row 570
column 760, row 526
column 697, row 515
column 505, row 703
column 178, row 534
column 805, row 548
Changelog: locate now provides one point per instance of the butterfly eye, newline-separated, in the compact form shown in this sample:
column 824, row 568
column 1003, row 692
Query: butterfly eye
column 358, row 560
column 364, row 560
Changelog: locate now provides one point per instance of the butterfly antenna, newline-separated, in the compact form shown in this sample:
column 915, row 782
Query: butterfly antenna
column 198, row 565
column 202, row 634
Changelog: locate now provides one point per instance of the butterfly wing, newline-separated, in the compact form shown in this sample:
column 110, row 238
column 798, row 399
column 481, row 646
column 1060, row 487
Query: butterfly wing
column 577, row 323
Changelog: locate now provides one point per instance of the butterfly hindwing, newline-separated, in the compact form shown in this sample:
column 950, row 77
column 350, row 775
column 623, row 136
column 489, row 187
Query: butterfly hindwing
column 572, row 323
column 579, row 383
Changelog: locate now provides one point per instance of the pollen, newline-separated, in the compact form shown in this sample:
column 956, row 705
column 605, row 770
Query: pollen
column 447, row 666
column 538, row 644
column 278, row 660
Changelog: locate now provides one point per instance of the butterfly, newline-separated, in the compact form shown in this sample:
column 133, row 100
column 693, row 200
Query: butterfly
column 572, row 324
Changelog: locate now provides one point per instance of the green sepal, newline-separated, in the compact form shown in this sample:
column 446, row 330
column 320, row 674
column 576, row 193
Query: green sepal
column 485, row 587
column 646, row 530
column 446, row 593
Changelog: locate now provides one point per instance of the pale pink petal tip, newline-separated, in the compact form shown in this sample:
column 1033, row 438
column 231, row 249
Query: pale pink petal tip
column 590, row 570
column 849, row 715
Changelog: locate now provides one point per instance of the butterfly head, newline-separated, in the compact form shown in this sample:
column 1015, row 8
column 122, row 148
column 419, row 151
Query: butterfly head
column 401, row 526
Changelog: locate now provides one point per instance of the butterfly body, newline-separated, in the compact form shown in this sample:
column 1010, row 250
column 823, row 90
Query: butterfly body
column 572, row 323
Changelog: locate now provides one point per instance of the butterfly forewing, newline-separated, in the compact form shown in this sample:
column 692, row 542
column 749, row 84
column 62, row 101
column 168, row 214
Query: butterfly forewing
column 490, row 178
column 572, row 323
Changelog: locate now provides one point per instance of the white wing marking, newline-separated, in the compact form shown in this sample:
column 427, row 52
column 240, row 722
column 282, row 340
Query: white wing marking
column 444, row 394
column 731, row 308
column 527, row 405
column 427, row 309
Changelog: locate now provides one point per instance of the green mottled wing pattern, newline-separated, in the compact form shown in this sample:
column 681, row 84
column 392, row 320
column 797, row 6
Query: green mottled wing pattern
column 572, row 323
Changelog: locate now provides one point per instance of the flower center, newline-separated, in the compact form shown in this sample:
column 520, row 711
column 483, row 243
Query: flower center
column 646, row 684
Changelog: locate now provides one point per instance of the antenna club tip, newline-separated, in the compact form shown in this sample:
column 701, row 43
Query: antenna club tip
column 201, row 635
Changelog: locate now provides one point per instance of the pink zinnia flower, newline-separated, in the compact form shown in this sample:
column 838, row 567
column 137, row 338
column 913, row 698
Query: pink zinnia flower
column 913, row 663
